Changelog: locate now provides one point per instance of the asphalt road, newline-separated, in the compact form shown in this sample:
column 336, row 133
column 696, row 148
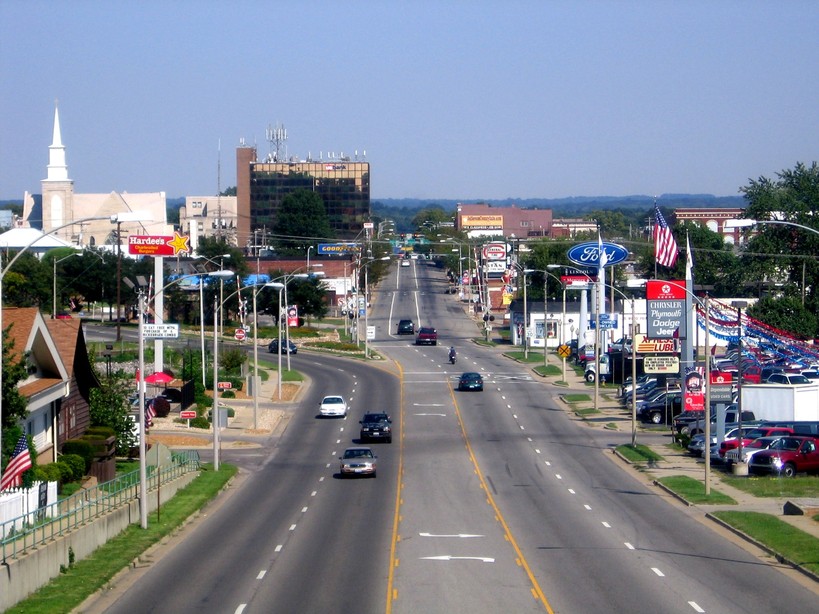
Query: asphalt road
column 491, row 501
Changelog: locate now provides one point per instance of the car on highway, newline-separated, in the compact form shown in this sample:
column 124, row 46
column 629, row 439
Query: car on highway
column 291, row 347
column 427, row 336
column 470, row 381
column 405, row 263
column 405, row 327
column 375, row 426
column 333, row 405
column 358, row 460
column 792, row 455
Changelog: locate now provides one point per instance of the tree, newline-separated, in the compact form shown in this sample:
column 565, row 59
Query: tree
column 430, row 218
column 781, row 253
column 786, row 313
column 14, row 405
column 301, row 217
column 308, row 294
column 109, row 407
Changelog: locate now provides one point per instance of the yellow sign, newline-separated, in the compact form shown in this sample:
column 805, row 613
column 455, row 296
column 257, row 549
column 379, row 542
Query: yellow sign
column 645, row 345
column 564, row 351
column 482, row 222
column 661, row 364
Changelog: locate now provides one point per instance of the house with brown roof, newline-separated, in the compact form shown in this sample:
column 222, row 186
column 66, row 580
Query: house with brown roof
column 47, row 380
column 73, row 413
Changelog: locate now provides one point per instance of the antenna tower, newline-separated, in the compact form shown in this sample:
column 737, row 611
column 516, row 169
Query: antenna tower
column 276, row 137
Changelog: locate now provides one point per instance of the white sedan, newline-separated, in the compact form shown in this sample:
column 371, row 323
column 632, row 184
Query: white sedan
column 333, row 406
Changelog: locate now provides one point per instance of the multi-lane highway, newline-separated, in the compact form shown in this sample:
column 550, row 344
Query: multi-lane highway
column 489, row 501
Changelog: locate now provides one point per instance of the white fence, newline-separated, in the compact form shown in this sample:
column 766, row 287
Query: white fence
column 26, row 506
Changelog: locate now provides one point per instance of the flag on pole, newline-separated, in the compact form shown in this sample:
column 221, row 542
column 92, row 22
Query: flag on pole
column 689, row 259
column 19, row 463
column 665, row 247
column 150, row 413
column 601, row 255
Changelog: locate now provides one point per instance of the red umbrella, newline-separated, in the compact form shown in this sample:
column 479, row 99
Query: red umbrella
column 159, row 378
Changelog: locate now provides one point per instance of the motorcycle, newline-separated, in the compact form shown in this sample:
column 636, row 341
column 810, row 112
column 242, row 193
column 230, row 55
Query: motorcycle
column 452, row 358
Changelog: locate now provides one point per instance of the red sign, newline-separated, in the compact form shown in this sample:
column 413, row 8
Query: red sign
column 494, row 251
column 240, row 334
column 657, row 290
column 158, row 245
column 224, row 385
column 721, row 377
column 187, row 414
column 293, row 315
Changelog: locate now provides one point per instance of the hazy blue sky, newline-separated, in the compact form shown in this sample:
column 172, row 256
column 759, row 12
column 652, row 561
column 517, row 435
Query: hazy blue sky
column 463, row 100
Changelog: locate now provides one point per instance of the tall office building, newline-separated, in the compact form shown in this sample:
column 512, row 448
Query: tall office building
column 342, row 183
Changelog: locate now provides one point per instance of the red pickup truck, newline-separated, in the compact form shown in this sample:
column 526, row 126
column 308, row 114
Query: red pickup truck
column 790, row 455
column 755, row 433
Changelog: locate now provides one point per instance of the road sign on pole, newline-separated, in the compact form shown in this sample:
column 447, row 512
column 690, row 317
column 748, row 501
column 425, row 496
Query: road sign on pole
column 160, row 331
column 240, row 334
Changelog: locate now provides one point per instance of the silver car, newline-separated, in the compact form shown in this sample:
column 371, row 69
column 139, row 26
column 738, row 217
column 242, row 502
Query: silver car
column 357, row 461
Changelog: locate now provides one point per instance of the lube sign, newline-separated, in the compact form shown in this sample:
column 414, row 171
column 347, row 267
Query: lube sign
column 666, row 309
column 587, row 254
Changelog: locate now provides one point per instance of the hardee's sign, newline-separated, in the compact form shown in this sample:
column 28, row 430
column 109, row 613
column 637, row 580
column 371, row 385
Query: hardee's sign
column 158, row 245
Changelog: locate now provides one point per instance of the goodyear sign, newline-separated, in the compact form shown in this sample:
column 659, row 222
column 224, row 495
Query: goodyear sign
column 337, row 249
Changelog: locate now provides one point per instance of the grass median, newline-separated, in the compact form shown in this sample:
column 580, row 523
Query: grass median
column 83, row 578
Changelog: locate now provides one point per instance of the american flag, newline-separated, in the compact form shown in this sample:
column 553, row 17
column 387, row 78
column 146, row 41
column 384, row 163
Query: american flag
column 150, row 414
column 665, row 247
column 19, row 463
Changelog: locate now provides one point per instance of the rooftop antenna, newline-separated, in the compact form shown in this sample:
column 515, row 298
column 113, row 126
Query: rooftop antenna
column 277, row 137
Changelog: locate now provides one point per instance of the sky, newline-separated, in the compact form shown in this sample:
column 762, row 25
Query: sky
column 464, row 100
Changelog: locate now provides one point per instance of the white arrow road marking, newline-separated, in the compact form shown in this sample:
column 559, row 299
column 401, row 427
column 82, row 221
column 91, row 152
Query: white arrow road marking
column 453, row 535
column 426, row 414
column 447, row 557
column 427, row 404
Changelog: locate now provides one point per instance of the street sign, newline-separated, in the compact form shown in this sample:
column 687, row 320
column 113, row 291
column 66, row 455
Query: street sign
column 370, row 333
column 661, row 364
column 606, row 322
column 160, row 331
column 224, row 385
column 240, row 334
column 187, row 414
column 564, row 351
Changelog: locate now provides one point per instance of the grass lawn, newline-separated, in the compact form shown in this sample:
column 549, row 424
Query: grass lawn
column 638, row 453
column 803, row 487
column 693, row 491
column 520, row 356
column 549, row 371
column 83, row 578
column 779, row 536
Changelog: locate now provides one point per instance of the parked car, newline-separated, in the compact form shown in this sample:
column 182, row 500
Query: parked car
column 792, row 455
column 787, row 379
column 751, row 435
column 334, row 405
column 662, row 409
column 291, row 348
column 427, row 336
column 376, row 426
column 757, row 445
column 358, row 460
column 406, row 327
column 470, row 381
column 622, row 344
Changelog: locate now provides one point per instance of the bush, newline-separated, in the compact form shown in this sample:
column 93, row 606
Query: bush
column 47, row 473
column 232, row 360
column 100, row 432
column 76, row 463
column 200, row 423
column 66, row 471
column 81, row 448
column 228, row 394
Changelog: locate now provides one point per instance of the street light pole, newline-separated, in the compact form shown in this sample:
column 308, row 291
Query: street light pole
column 215, row 411
column 525, row 320
column 279, row 333
column 143, row 434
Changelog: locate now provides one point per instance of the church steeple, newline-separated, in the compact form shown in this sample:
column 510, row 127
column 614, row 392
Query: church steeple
column 57, row 169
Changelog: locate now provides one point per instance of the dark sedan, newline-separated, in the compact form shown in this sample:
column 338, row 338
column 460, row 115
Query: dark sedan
column 273, row 348
column 470, row 381
column 376, row 426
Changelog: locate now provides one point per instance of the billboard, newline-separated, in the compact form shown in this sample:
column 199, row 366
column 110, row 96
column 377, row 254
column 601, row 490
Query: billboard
column 482, row 222
column 158, row 245
column 337, row 248
column 665, row 302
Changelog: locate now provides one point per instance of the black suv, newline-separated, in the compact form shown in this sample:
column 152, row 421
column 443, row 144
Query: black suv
column 375, row 426
column 406, row 327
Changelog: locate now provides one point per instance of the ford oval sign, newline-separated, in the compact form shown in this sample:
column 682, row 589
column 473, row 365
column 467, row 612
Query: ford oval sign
column 586, row 254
